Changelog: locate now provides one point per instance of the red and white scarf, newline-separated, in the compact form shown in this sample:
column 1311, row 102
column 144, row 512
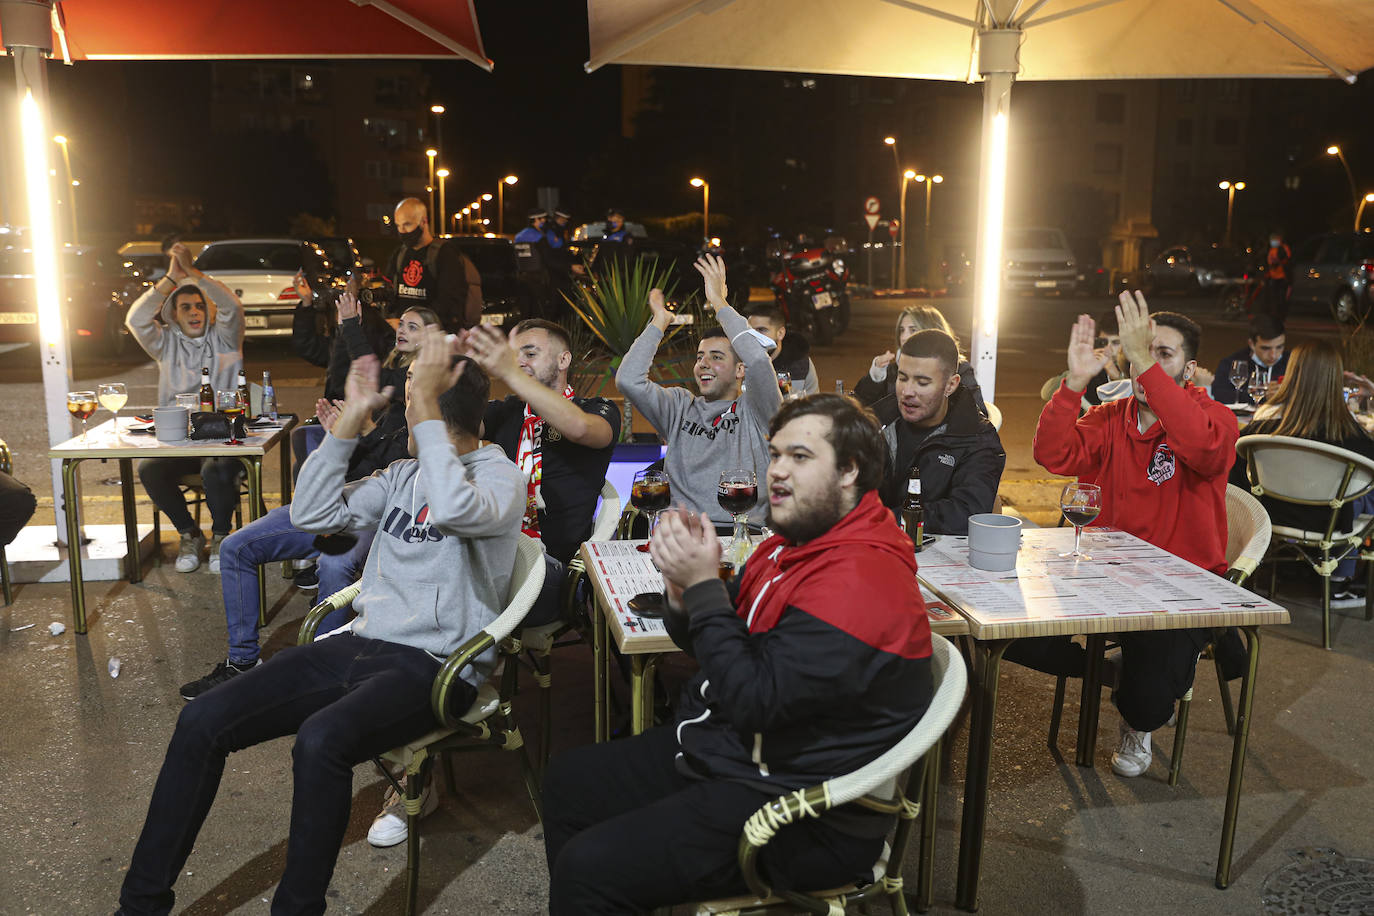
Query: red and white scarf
column 529, row 455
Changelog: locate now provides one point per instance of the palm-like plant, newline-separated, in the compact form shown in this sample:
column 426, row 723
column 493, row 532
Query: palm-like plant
column 615, row 304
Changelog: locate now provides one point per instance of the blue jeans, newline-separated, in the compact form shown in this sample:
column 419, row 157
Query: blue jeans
column 346, row 699
column 220, row 477
column 268, row 539
column 304, row 440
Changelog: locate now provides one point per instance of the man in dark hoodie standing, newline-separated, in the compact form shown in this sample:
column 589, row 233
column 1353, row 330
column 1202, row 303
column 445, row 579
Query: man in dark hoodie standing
column 429, row 272
column 814, row 662
column 791, row 352
column 939, row 429
column 195, row 333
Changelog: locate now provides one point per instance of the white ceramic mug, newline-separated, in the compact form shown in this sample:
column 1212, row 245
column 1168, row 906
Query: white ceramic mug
column 171, row 423
column 993, row 541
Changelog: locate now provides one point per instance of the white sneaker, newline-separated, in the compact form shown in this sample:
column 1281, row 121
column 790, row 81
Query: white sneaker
column 188, row 554
column 215, row 541
column 389, row 827
column 1132, row 755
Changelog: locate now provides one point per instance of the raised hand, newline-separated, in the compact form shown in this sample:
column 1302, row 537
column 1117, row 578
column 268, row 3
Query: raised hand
column 433, row 372
column 659, row 307
column 1084, row 361
column 490, row 349
column 1137, row 330
column 712, row 270
column 361, row 396
column 884, row 359
column 686, row 549
column 348, row 305
column 301, row 286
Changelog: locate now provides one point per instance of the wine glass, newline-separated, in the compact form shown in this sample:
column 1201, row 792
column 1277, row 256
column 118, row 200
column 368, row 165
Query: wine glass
column 113, row 396
column 1080, row 503
column 1258, row 387
column 230, row 403
column 1239, row 373
column 651, row 493
column 738, row 492
column 81, row 404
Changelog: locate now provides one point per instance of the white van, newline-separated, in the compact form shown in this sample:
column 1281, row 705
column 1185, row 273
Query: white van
column 1038, row 258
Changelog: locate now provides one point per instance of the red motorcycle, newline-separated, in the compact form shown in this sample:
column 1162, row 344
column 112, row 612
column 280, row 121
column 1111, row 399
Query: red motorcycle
column 812, row 289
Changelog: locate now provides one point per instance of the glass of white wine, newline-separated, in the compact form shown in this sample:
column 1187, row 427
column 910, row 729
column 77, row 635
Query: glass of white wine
column 113, row 396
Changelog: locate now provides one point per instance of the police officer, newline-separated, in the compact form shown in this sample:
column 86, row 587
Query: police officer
column 558, row 232
column 534, row 264
column 535, row 232
column 428, row 272
column 616, row 229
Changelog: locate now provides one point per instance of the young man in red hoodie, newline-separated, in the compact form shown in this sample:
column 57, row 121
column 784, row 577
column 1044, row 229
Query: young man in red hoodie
column 1161, row 458
column 813, row 662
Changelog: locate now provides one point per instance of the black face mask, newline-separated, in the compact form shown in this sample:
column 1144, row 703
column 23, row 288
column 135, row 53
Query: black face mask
column 409, row 239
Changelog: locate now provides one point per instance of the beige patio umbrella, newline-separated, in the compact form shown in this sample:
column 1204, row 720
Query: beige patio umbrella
column 998, row 41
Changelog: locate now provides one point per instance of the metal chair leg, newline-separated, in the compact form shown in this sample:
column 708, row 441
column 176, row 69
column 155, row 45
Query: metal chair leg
column 416, row 774
column 925, row 875
column 1369, row 590
column 5, row 578
column 1180, row 734
column 1227, row 708
column 1326, row 611
column 1057, row 714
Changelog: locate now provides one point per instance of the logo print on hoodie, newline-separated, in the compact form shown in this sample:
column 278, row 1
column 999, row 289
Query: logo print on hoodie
column 1161, row 464
column 398, row 525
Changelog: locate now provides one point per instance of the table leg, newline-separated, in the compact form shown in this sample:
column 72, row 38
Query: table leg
column 600, row 676
column 1090, row 702
column 133, row 552
column 253, row 466
column 69, row 479
column 1242, row 737
column 642, row 692
column 285, row 455
column 976, row 777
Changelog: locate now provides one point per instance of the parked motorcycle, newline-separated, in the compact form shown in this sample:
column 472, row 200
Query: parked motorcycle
column 812, row 289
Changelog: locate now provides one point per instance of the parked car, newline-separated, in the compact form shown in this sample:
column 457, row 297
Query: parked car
column 1038, row 258
column 505, row 301
column 261, row 273
column 1197, row 270
column 1333, row 273
column 147, row 258
column 98, row 289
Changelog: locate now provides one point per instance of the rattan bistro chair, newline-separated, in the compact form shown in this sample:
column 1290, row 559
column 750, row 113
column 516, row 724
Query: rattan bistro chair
column 487, row 724
column 1307, row 473
column 892, row 783
column 539, row 642
column 1247, row 540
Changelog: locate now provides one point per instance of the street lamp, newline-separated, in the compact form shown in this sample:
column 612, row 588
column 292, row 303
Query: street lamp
column 72, row 184
column 907, row 175
column 1359, row 214
column 705, row 205
column 930, row 181
column 501, row 203
column 1334, row 150
column 443, row 203
column 430, row 154
column 1230, row 187
column 438, row 111
column 467, row 218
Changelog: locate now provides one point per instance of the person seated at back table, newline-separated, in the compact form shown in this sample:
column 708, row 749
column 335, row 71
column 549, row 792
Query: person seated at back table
column 814, row 661
column 192, row 336
column 1264, row 355
column 723, row 428
column 939, row 430
column 562, row 445
column 1161, row 458
column 881, row 379
column 1310, row 404
column 791, row 351
column 1114, row 381
column 275, row 536
column 448, row 523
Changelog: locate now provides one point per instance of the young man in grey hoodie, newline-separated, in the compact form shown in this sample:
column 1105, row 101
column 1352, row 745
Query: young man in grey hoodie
column 439, row 570
column 726, row 426
column 194, row 334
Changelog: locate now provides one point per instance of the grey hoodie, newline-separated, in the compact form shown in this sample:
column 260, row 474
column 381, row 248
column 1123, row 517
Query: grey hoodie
column 703, row 437
column 180, row 358
column 447, row 526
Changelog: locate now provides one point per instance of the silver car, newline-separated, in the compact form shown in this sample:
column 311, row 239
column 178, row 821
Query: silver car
column 261, row 272
column 1333, row 272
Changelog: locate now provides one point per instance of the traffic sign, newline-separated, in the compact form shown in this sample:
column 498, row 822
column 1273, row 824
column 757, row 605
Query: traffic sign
column 892, row 228
column 872, row 220
column 871, row 205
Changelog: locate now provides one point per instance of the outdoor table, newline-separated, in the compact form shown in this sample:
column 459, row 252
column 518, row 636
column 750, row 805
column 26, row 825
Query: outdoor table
column 104, row 442
column 618, row 571
column 1129, row 585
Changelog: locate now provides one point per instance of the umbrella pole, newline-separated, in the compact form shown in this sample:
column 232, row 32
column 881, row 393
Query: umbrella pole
column 997, row 61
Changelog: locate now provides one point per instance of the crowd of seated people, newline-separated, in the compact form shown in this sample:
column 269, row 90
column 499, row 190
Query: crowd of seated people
column 419, row 484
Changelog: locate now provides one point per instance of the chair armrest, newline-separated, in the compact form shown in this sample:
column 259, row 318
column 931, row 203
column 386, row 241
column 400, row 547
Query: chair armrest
column 339, row 599
column 463, row 656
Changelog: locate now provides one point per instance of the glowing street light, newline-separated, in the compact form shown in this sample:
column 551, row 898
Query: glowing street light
column 1230, row 187
column 501, row 202
column 1334, row 150
column 429, row 155
column 467, row 213
column 907, row 175
column 705, row 205
column 72, row 183
column 438, row 112
column 443, row 174
column 1359, row 214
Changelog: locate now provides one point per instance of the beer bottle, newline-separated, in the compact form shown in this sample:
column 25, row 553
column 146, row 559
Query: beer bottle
column 207, row 391
column 913, row 513
column 243, row 392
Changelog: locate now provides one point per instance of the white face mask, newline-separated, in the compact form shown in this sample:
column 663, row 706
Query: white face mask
column 1273, row 243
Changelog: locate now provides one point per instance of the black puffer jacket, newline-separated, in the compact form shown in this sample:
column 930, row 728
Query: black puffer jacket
column 961, row 465
column 871, row 393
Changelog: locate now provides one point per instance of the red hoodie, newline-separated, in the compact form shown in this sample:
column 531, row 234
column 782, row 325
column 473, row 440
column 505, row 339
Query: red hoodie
column 848, row 577
column 1166, row 485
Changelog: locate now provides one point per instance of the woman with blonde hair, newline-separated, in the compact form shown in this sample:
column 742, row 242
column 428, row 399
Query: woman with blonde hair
column 1310, row 404
column 881, row 379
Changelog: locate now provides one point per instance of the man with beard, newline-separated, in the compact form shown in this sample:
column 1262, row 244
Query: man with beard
column 1161, row 457
column 725, row 427
column 813, row 662
column 428, row 272
column 939, row 430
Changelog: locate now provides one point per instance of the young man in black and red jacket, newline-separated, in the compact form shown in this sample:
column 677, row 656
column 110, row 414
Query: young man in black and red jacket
column 814, row 662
